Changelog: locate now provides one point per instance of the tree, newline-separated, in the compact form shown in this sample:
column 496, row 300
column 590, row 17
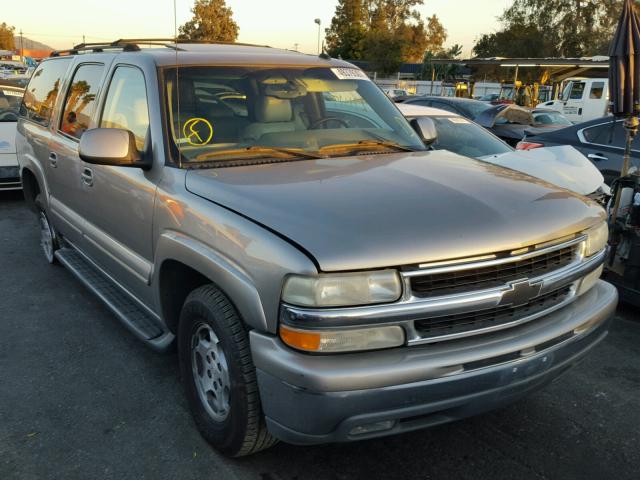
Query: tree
column 345, row 37
column 7, row 41
column 552, row 28
column 384, row 32
column 212, row 20
column 443, row 72
column 436, row 34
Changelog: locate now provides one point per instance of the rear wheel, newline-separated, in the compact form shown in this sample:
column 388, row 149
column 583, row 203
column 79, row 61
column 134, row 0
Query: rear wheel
column 219, row 375
column 48, row 238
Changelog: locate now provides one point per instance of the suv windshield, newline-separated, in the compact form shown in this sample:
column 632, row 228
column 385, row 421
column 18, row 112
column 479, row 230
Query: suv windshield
column 224, row 114
column 10, row 99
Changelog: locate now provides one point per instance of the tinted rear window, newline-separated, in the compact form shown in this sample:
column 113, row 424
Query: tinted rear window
column 42, row 91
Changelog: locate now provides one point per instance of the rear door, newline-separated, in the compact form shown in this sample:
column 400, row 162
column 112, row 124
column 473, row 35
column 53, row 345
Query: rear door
column 36, row 124
column 67, row 181
column 118, row 201
column 604, row 144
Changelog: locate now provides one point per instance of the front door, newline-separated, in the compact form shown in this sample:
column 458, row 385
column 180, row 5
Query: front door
column 573, row 107
column 119, row 201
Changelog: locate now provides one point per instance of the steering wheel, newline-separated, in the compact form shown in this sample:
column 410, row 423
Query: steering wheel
column 324, row 120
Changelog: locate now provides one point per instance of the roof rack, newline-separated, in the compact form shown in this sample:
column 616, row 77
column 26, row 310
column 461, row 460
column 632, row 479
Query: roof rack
column 133, row 45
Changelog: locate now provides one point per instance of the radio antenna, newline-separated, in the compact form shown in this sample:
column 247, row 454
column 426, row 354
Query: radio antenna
column 177, row 134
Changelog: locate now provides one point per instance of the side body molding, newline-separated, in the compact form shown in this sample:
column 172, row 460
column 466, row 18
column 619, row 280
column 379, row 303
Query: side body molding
column 219, row 269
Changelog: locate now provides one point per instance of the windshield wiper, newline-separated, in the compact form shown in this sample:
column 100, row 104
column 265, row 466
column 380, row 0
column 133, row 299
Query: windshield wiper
column 367, row 144
column 276, row 152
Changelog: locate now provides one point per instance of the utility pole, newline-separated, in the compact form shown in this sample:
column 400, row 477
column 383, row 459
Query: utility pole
column 21, row 47
column 83, row 40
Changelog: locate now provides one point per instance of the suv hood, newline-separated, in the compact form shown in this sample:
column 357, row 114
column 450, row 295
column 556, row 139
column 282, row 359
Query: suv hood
column 396, row 209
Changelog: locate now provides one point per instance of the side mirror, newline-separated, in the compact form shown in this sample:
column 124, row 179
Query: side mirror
column 426, row 129
column 111, row 146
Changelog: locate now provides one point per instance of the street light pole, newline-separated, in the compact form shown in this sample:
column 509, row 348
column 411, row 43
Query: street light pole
column 319, row 22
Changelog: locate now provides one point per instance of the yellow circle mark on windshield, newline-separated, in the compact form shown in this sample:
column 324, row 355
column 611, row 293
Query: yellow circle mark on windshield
column 197, row 131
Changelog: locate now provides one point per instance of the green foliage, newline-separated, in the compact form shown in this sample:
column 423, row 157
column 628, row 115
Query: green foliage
column 212, row 20
column 385, row 32
column 552, row 28
column 440, row 72
column 345, row 37
column 7, row 41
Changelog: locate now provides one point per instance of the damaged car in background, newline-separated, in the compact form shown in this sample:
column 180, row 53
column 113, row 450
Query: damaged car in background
column 512, row 123
column 561, row 165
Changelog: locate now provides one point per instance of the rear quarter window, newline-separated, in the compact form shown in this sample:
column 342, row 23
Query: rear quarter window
column 42, row 91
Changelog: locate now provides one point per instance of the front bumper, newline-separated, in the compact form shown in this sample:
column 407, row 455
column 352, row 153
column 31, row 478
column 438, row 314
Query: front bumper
column 9, row 174
column 310, row 399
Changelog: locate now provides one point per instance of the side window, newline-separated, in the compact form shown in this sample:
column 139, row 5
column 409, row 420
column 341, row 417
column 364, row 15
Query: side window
column 80, row 103
column 597, row 88
column 41, row 93
column 577, row 91
column 126, row 104
column 606, row 134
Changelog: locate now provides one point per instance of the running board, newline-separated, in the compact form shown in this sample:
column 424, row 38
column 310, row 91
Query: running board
column 133, row 316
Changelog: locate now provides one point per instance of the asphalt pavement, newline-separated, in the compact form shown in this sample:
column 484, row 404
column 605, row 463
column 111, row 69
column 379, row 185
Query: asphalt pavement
column 80, row 398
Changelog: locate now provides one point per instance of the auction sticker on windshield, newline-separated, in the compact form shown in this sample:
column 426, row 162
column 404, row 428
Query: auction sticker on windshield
column 349, row 73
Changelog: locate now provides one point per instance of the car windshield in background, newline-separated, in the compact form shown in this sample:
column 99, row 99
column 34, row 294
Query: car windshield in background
column 230, row 113
column 10, row 99
column 461, row 136
column 549, row 118
column 474, row 107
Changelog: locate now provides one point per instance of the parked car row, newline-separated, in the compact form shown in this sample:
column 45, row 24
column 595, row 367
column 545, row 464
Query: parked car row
column 10, row 99
column 508, row 122
column 561, row 165
column 601, row 140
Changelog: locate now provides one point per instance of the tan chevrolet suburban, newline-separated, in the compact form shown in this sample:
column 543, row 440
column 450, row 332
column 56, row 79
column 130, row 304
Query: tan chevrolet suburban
column 325, row 276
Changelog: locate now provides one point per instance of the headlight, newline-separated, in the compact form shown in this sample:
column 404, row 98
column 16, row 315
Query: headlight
column 347, row 340
column 597, row 238
column 342, row 289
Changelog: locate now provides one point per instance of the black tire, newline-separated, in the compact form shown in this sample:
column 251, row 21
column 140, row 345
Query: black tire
column 243, row 430
column 48, row 237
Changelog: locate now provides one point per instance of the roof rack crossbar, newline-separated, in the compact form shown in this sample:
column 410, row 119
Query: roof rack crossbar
column 133, row 45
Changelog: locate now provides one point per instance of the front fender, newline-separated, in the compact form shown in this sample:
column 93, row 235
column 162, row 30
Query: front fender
column 231, row 279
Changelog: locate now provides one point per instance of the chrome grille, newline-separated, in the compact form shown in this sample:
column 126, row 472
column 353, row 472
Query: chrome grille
column 489, row 318
column 490, row 276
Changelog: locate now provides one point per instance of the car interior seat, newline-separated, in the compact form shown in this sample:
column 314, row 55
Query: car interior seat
column 272, row 115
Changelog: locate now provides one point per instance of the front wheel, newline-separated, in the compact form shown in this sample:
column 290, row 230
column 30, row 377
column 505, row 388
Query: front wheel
column 219, row 375
column 48, row 238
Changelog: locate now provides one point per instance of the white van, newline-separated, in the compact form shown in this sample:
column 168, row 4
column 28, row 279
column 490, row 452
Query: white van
column 582, row 99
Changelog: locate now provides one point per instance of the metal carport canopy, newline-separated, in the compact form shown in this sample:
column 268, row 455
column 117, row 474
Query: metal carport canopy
column 559, row 68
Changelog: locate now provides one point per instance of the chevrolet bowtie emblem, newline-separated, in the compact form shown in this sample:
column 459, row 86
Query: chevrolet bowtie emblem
column 520, row 293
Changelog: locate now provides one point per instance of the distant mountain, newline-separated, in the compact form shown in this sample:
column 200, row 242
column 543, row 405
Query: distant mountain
column 30, row 44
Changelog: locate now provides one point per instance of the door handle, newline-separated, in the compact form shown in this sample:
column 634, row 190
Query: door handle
column 87, row 176
column 53, row 159
column 597, row 157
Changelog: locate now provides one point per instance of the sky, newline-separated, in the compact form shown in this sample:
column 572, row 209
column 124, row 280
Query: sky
column 278, row 23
